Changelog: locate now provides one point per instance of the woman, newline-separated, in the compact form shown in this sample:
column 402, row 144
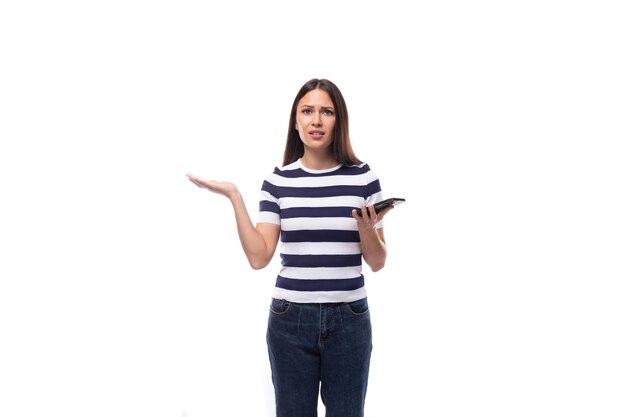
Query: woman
column 319, row 329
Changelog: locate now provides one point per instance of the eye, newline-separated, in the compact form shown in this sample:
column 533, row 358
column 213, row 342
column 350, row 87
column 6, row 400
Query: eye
column 306, row 111
column 329, row 112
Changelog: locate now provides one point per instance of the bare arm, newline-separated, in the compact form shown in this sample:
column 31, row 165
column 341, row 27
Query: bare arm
column 372, row 240
column 258, row 243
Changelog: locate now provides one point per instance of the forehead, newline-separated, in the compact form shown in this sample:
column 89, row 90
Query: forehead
column 317, row 97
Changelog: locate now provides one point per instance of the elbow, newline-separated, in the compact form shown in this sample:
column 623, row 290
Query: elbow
column 257, row 264
column 377, row 266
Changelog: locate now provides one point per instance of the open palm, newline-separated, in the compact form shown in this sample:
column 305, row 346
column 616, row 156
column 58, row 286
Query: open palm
column 219, row 187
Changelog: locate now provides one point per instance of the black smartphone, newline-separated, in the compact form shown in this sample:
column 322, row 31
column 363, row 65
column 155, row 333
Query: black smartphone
column 382, row 204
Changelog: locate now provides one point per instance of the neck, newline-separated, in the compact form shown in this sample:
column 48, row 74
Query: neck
column 316, row 161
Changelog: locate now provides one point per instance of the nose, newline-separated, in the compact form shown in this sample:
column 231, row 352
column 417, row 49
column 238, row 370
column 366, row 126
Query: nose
column 317, row 120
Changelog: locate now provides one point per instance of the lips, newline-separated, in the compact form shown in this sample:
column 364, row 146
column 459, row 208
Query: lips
column 316, row 133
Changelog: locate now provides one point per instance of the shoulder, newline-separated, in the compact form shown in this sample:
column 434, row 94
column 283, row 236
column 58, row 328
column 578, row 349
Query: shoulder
column 282, row 175
column 360, row 169
column 366, row 170
column 287, row 171
column 283, row 170
column 294, row 166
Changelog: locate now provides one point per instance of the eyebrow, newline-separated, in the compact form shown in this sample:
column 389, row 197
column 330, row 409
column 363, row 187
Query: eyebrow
column 323, row 107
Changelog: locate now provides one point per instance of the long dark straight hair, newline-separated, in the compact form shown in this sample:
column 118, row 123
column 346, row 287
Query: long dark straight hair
column 342, row 149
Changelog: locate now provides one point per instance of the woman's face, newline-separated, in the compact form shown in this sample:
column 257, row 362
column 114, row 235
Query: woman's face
column 315, row 120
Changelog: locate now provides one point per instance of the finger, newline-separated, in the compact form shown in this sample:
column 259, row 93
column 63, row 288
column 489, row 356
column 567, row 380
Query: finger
column 193, row 178
column 384, row 211
column 360, row 218
column 364, row 212
column 372, row 212
column 198, row 183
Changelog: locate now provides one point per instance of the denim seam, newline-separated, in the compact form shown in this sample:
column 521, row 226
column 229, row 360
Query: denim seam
column 355, row 313
column 282, row 312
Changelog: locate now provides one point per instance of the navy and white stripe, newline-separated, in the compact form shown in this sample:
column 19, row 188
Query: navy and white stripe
column 320, row 245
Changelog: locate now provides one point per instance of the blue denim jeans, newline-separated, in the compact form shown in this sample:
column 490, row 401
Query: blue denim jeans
column 312, row 344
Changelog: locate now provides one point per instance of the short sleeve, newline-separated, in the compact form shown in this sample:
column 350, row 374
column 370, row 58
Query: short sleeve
column 269, row 210
column 374, row 193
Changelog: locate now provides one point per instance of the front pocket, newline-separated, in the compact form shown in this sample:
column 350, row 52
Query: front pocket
column 359, row 307
column 279, row 306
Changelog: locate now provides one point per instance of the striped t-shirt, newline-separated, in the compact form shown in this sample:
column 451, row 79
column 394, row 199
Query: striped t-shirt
column 320, row 245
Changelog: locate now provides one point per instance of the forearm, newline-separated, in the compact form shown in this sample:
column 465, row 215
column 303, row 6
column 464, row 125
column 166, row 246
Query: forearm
column 252, row 242
column 373, row 248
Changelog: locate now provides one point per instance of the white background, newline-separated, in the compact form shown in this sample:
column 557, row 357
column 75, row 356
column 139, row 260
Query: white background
column 123, row 288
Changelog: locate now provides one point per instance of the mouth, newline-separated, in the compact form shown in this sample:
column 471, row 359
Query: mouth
column 316, row 134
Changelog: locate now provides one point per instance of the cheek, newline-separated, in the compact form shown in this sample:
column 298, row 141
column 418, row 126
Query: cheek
column 331, row 129
column 299, row 130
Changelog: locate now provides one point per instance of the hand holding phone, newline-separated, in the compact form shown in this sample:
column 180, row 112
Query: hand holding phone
column 378, row 207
